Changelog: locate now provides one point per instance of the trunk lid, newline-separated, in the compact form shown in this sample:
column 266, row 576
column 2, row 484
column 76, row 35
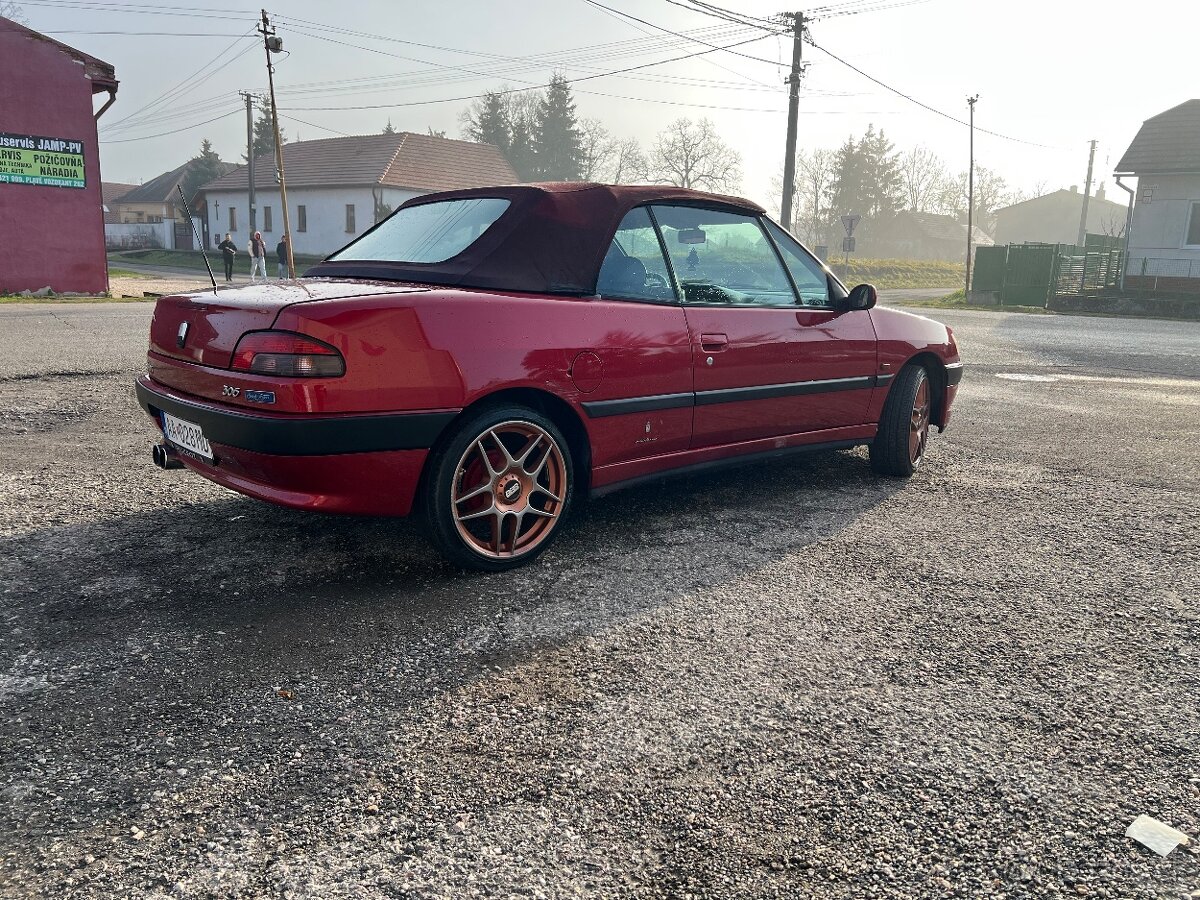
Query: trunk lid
column 214, row 322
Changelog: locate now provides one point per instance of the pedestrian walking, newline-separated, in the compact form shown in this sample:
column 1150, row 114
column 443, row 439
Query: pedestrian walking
column 258, row 256
column 281, row 256
column 228, row 251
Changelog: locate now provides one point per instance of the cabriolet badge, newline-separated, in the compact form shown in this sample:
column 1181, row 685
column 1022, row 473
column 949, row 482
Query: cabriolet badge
column 181, row 335
column 260, row 396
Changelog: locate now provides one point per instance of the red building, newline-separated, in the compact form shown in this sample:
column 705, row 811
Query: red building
column 51, row 207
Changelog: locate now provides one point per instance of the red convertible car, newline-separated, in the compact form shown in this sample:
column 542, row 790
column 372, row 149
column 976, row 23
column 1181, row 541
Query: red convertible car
column 491, row 356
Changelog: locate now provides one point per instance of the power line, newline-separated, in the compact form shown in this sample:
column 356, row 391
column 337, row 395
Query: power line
column 529, row 85
column 925, row 106
column 138, row 9
column 770, row 62
column 147, row 137
column 150, row 33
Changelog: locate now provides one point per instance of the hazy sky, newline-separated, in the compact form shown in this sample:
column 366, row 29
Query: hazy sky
column 1054, row 72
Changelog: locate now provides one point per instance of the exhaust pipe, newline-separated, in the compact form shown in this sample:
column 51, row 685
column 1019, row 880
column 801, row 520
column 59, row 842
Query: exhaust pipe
column 165, row 457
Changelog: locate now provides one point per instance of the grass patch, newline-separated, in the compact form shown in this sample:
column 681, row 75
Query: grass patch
column 899, row 273
column 958, row 300
column 192, row 259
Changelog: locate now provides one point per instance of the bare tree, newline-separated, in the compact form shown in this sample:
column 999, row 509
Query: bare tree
column 1041, row 188
column 598, row 148
column 11, row 10
column 814, row 179
column 923, row 177
column 629, row 165
column 991, row 193
column 691, row 155
column 1113, row 224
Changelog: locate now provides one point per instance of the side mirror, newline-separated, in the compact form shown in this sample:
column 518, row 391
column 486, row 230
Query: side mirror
column 862, row 297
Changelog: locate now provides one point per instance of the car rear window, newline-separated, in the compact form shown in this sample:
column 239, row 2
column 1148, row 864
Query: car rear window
column 426, row 233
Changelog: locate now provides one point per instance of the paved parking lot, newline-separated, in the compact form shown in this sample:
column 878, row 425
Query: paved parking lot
column 793, row 680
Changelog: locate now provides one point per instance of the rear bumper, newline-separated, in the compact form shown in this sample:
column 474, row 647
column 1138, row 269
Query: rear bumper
column 363, row 465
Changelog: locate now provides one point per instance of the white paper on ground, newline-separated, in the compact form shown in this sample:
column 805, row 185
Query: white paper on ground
column 1160, row 838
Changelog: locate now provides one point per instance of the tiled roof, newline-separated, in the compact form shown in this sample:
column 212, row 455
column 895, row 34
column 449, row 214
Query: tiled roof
column 1166, row 143
column 162, row 188
column 111, row 192
column 400, row 160
column 1064, row 198
column 946, row 228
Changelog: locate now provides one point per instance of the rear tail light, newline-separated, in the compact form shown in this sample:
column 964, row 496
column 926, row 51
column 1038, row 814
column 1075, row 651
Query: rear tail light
column 287, row 355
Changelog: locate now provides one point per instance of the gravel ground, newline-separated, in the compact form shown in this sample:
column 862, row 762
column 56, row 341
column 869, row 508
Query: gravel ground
column 794, row 680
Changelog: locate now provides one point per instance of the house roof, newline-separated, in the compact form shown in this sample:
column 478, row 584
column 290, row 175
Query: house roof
column 1062, row 197
column 1166, row 143
column 102, row 74
column 111, row 192
column 551, row 238
column 162, row 188
column 401, row 160
column 946, row 228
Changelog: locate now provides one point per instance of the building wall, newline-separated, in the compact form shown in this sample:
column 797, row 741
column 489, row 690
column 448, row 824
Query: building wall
column 325, row 214
column 50, row 236
column 128, row 213
column 1054, row 219
column 1159, row 229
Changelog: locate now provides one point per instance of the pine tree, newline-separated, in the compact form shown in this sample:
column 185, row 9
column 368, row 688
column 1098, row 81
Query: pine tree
column 388, row 129
column 882, row 185
column 846, row 190
column 202, row 169
column 487, row 122
column 558, row 154
column 264, row 132
column 521, row 154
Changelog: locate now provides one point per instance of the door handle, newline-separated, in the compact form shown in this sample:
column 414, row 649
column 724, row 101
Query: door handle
column 713, row 342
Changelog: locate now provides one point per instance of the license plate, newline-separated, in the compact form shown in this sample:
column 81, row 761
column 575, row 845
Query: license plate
column 187, row 435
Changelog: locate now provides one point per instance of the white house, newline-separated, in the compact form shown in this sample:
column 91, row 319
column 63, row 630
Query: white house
column 1163, row 251
column 339, row 187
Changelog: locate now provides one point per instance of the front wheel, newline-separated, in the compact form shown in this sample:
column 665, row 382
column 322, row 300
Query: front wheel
column 900, row 442
column 499, row 489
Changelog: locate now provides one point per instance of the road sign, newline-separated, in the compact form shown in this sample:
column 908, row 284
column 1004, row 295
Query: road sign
column 848, row 222
column 847, row 245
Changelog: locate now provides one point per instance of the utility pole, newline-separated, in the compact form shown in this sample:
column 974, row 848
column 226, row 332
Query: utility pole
column 971, row 194
column 789, row 158
column 249, row 98
column 1087, row 195
column 273, row 44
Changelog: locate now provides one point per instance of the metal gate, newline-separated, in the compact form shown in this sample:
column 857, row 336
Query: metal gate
column 1029, row 274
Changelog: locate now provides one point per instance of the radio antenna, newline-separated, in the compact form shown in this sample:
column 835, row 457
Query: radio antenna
column 187, row 209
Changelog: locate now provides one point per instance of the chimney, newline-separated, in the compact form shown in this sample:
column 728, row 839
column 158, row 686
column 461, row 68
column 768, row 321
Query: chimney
column 1074, row 189
column 1100, row 192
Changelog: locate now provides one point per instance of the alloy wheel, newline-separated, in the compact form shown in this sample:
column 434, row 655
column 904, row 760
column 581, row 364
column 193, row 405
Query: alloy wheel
column 508, row 490
column 918, row 433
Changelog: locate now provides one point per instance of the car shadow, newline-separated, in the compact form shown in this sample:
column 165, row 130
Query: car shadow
column 163, row 637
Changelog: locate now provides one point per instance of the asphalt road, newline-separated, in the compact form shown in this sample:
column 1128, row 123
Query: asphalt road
column 792, row 680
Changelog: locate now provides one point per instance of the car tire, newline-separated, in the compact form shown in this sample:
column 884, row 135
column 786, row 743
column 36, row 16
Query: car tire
column 499, row 488
column 903, row 436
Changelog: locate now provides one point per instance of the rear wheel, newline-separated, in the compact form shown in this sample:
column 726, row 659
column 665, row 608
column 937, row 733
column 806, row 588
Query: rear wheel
column 499, row 489
column 899, row 445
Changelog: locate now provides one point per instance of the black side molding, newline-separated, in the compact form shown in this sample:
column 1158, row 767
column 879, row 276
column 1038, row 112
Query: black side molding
column 598, row 409
column 726, row 463
column 303, row 435
column 954, row 373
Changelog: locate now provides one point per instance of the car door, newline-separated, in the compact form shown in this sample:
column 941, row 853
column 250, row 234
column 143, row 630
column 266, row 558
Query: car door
column 635, row 377
column 772, row 352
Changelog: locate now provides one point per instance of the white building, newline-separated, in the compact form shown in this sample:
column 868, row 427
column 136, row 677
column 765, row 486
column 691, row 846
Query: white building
column 1164, row 232
column 340, row 187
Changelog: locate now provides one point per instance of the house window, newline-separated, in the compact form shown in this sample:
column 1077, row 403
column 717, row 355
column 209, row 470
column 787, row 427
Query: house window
column 301, row 218
column 233, row 218
column 350, row 229
column 266, row 218
column 1193, row 231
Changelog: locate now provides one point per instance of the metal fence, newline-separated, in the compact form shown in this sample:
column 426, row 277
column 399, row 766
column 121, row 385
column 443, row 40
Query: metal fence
column 1170, row 275
column 1030, row 274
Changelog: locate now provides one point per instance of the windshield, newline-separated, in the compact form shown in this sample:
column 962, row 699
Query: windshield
column 427, row 233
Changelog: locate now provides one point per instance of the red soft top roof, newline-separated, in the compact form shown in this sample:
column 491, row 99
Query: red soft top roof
column 551, row 240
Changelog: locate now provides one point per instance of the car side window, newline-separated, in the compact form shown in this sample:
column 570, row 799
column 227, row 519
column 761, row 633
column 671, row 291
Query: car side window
column 634, row 267
column 723, row 258
column 812, row 281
